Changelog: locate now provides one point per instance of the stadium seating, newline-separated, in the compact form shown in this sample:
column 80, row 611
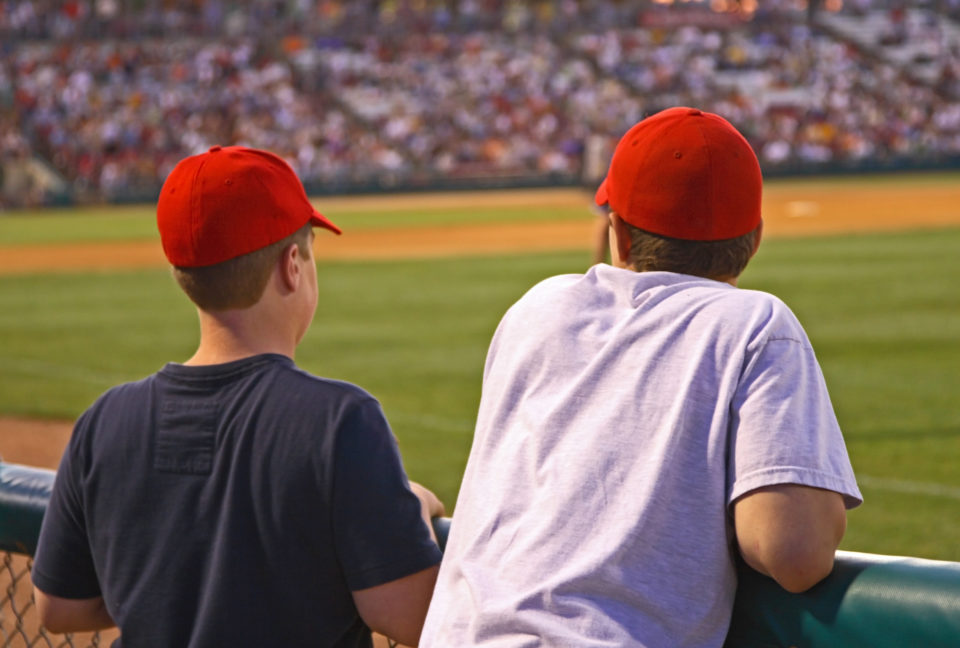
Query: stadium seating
column 379, row 95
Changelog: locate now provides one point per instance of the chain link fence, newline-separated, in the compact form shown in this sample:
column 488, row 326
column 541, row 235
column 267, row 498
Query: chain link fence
column 19, row 624
column 20, row 627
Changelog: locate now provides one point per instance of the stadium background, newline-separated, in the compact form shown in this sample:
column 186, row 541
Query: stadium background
column 366, row 97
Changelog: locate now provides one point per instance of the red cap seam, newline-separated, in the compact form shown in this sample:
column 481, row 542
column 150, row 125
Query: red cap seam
column 195, row 197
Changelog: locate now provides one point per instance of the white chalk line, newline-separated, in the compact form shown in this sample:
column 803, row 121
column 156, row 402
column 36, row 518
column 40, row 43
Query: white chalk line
column 909, row 486
column 430, row 421
column 72, row 373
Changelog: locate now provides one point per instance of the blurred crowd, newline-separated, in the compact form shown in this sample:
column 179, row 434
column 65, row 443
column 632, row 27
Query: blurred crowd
column 801, row 97
column 412, row 92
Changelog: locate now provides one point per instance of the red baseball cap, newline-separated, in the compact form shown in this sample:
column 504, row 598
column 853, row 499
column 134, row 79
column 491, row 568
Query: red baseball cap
column 687, row 174
column 228, row 202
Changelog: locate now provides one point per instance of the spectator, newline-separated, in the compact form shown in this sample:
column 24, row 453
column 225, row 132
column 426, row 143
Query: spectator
column 418, row 92
column 654, row 420
column 235, row 499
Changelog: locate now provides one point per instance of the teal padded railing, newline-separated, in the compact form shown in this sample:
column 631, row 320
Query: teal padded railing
column 869, row 601
column 24, row 493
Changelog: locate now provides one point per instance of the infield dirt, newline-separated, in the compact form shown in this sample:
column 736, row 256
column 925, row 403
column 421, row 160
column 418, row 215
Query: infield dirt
column 790, row 209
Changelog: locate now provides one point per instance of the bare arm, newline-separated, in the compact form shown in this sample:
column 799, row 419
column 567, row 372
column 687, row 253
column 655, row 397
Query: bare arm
column 60, row 615
column 790, row 532
column 397, row 609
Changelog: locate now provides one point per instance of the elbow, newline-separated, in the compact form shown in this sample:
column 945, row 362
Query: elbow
column 55, row 627
column 791, row 533
column 56, row 623
column 46, row 615
column 797, row 572
column 51, row 621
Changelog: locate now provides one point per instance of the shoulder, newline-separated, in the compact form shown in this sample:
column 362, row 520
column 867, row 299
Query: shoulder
column 543, row 308
column 751, row 303
column 745, row 318
column 262, row 378
column 308, row 401
column 339, row 390
column 562, row 295
column 548, row 288
column 767, row 317
column 110, row 417
column 119, row 398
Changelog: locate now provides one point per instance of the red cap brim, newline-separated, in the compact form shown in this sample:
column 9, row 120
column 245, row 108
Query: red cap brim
column 601, row 196
column 319, row 220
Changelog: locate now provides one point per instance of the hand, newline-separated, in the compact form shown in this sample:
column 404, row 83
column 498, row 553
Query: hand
column 430, row 503
column 430, row 507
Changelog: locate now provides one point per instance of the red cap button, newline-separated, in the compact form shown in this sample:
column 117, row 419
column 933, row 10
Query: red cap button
column 214, row 149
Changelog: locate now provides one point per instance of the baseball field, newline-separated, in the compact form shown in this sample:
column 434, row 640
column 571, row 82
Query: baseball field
column 411, row 293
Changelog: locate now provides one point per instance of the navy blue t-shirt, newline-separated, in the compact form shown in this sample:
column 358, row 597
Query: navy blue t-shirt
column 232, row 505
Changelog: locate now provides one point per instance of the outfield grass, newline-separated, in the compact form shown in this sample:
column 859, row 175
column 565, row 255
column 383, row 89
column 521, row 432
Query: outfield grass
column 138, row 222
column 883, row 312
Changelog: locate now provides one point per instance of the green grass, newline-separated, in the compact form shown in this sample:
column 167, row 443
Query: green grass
column 64, row 338
column 883, row 312
column 415, row 334
column 380, row 218
column 82, row 224
column 412, row 333
column 138, row 222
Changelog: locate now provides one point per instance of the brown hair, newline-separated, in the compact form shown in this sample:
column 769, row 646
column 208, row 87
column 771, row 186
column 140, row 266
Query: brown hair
column 238, row 282
column 711, row 259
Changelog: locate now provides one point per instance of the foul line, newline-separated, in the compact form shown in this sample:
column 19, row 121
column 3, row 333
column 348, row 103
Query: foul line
column 431, row 421
column 908, row 486
column 66, row 372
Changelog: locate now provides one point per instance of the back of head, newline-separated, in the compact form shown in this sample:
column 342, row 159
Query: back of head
column 688, row 182
column 220, row 216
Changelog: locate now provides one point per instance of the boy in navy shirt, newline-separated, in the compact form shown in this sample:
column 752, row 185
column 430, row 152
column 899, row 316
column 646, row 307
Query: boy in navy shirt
column 234, row 499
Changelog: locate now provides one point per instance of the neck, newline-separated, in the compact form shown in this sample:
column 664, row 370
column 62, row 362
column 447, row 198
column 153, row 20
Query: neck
column 231, row 335
column 722, row 278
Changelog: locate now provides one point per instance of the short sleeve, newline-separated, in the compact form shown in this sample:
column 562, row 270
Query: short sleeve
column 784, row 430
column 63, row 565
column 379, row 533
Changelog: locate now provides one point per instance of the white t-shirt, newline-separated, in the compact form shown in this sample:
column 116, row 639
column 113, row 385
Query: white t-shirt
column 622, row 413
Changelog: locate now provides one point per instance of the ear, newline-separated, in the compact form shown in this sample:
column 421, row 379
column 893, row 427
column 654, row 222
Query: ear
column 756, row 243
column 289, row 267
column 756, row 246
column 620, row 241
